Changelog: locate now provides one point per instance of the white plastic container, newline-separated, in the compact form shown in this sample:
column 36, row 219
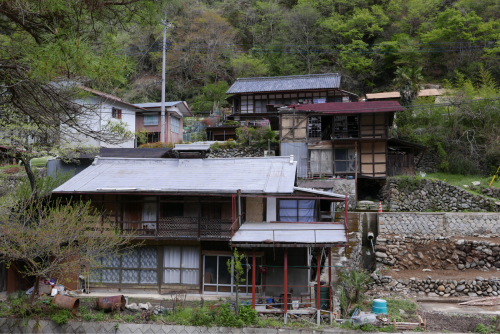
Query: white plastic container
column 295, row 304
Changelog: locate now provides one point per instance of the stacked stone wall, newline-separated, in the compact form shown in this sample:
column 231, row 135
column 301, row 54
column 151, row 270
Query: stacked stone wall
column 431, row 253
column 237, row 152
column 439, row 223
column 492, row 192
column 407, row 194
column 438, row 287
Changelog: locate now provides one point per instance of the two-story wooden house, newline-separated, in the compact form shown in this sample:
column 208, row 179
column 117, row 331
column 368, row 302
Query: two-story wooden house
column 346, row 140
column 190, row 212
column 255, row 99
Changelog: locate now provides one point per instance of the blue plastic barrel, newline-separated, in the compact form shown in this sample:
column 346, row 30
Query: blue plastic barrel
column 379, row 306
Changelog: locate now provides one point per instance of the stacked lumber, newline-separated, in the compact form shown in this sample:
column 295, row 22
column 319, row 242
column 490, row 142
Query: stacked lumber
column 488, row 301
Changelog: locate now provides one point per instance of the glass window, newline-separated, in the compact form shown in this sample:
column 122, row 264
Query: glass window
column 136, row 267
column 345, row 161
column 175, row 124
column 297, row 210
column 150, row 119
column 116, row 113
column 216, row 276
column 181, row 265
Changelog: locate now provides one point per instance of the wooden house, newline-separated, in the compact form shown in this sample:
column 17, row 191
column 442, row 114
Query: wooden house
column 255, row 99
column 191, row 212
column 346, row 140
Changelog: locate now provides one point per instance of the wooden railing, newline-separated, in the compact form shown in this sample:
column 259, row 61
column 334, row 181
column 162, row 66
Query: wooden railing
column 180, row 228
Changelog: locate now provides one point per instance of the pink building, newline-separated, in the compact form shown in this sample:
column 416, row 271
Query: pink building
column 149, row 118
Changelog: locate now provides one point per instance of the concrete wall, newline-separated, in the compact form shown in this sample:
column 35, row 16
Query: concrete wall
column 439, row 223
column 46, row 326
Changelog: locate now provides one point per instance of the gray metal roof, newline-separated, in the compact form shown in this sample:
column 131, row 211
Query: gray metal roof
column 319, row 192
column 156, row 106
column 251, row 175
column 268, row 234
column 191, row 147
column 288, row 83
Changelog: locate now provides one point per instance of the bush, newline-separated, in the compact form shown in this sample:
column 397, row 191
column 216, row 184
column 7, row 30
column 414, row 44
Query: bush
column 226, row 318
column 248, row 315
column 201, row 317
column 480, row 328
column 369, row 328
column 61, row 317
column 157, row 145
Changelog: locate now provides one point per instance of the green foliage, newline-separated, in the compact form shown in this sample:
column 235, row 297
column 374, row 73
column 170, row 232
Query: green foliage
column 246, row 66
column 99, row 316
column 62, row 317
column 128, row 318
column 353, row 284
column 226, row 318
column 248, row 315
column 480, row 328
column 213, row 96
column 387, row 329
column 369, row 328
column 410, row 183
column 229, row 144
column 202, row 317
column 256, row 137
column 45, row 185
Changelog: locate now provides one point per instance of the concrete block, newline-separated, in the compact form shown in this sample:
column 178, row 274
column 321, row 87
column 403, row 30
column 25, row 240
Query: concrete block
column 156, row 328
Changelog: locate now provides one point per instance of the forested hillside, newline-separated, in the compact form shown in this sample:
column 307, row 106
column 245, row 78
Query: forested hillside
column 211, row 43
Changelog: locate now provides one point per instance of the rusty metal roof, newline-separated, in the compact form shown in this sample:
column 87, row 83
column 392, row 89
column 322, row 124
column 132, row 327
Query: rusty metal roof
column 285, row 83
column 270, row 175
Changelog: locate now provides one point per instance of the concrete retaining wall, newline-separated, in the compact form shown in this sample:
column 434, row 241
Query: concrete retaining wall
column 439, row 223
column 44, row 326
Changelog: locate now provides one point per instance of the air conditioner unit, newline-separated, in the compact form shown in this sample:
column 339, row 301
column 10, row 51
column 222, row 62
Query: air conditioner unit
column 271, row 153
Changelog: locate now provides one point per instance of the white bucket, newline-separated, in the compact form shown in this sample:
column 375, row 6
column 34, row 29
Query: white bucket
column 295, row 304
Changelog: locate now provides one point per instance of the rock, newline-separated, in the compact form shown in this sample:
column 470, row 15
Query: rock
column 420, row 255
column 460, row 288
column 143, row 306
column 441, row 288
column 132, row 307
column 426, row 270
column 381, row 255
column 402, row 311
column 461, row 266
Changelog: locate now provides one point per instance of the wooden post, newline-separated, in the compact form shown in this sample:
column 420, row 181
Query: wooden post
column 318, row 286
column 254, row 268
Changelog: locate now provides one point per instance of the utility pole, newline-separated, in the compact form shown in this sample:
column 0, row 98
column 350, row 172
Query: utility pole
column 163, row 139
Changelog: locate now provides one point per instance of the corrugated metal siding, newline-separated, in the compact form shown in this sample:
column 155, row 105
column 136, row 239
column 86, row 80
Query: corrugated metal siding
column 251, row 175
column 299, row 152
column 294, row 82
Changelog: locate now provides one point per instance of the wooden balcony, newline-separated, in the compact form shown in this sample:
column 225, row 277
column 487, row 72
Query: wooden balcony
column 180, row 228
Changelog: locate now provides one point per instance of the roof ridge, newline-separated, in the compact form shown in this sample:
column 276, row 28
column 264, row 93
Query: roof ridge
column 292, row 76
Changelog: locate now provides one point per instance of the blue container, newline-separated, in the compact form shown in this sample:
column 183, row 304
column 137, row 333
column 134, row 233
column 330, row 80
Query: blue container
column 269, row 300
column 379, row 306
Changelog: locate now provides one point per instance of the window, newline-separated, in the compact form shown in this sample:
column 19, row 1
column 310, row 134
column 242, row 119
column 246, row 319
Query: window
column 116, row 113
column 175, row 125
column 150, row 119
column 181, row 265
column 137, row 267
column 321, row 162
column 345, row 160
column 293, row 210
column 314, row 127
column 216, row 277
column 346, row 127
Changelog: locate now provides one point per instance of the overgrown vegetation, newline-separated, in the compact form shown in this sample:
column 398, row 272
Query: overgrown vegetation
column 464, row 132
column 353, row 284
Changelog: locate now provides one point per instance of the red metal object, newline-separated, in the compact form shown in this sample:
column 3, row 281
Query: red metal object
column 318, row 284
column 285, row 295
column 253, row 277
column 264, row 270
column 68, row 303
column 111, row 303
column 379, row 206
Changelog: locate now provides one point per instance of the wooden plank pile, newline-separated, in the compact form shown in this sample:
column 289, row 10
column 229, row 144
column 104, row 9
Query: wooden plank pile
column 488, row 301
column 422, row 323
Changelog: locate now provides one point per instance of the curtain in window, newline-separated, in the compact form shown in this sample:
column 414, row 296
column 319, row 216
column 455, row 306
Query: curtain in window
column 172, row 259
column 151, row 119
column 297, row 210
column 190, row 259
column 175, row 125
column 321, row 161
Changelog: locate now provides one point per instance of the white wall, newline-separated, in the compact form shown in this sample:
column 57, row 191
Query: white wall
column 271, row 209
column 100, row 117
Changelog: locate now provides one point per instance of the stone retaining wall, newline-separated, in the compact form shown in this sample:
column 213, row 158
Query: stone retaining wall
column 45, row 326
column 237, row 152
column 408, row 194
column 439, row 287
column 430, row 253
column 492, row 192
column 439, row 223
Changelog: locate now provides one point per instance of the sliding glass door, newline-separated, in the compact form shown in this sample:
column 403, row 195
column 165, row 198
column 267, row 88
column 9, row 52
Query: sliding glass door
column 217, row 278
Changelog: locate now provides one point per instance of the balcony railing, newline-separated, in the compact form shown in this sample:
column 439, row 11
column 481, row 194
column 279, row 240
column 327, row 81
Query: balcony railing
column 180, row 228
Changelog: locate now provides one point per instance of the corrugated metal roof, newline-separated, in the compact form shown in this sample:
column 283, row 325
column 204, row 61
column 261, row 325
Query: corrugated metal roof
column 130, row 153
column 191, row 147
column 251, row 175
column 319, row 192
column 156, row 106
column 287, row 83
column 352, row 107
column 296, row 233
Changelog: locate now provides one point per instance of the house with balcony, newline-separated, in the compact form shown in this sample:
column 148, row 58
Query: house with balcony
column 191, row 213
column 256, row 99
column 347, row 141
column 148, row 119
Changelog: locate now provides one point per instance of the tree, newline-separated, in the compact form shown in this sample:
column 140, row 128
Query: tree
column 236, row 270
column 213, row 96
column 57, row 239
column 407, row 81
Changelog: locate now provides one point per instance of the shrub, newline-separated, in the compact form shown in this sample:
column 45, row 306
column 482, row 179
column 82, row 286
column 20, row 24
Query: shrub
column 157, row 145
column 87, row 317
column 226, row 318
column 248, row 315
column 61, row 317
column 369, row 328
column 480, row 328
column 201, row 317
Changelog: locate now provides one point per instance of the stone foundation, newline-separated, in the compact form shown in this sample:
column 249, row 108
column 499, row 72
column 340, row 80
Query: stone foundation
column 478, row 287
column 436, row 253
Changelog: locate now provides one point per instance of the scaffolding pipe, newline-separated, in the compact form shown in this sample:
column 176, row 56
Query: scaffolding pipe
column 285, row 296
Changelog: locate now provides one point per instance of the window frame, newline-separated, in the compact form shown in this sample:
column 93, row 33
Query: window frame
column 180, row 268
column 347, row 160
column 278, row 208
column 120, row 268
column 116, row 113
column 156, row 118
column 177, row 126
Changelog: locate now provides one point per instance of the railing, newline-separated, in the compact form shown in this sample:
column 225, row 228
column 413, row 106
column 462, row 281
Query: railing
column 180, row 228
